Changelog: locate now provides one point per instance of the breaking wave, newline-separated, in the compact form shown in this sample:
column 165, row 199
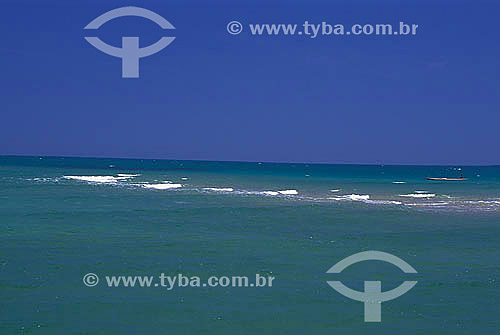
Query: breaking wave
column 164, row 186
column 219, row 189
column 352, row 197
column 418, row 195
column 288, row 192
column 99, row 179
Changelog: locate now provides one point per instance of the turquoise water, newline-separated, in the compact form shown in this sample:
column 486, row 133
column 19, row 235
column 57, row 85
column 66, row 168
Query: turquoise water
column 62, row 218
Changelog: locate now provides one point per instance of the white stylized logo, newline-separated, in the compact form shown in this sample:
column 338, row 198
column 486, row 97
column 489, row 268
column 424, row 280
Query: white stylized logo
column 90, row 279
column 373, row 295
column 234, row 27
column 130, row 53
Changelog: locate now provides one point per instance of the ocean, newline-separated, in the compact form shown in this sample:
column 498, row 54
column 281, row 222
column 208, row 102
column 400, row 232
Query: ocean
column 63, row 218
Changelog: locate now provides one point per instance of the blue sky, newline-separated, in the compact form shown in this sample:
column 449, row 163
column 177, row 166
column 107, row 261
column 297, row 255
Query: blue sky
column 432, row 98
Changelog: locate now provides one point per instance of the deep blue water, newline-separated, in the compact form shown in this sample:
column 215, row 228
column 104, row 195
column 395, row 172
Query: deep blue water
column 61, row 218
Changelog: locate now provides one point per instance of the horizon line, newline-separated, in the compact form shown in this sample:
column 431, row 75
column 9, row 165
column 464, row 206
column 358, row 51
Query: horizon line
column 257, row 162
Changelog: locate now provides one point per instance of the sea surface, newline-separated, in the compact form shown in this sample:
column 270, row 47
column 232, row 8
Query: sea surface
column 61, row 218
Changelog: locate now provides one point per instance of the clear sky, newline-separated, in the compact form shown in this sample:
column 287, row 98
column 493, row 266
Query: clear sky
column 432, row 98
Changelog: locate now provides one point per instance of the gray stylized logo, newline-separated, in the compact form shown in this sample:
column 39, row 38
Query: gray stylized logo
column 130, row 53
column 373, row 295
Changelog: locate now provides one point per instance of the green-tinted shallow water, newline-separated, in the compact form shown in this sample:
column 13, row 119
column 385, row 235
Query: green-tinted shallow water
column 56, row 226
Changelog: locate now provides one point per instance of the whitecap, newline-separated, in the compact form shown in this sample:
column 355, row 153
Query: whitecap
column 384, row 202
column 288, row 192
column 165, row 186
column 352, row 197
column 496, row 202
column 399, row 182
column 428, row 204
column 418, row 195
column 40, row 179
column 270, row 193
column 95, row 179
column 219, row 189
column 335, row 191
column 357, row 197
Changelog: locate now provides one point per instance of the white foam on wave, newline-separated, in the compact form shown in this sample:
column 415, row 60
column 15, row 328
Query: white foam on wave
column 421, row 192
column 418, row 195
column 352, row 197
column 219, row 189
column 335, row 191
column 184, row 178
column 40, row 179
column 399, row 182
column 385, row 202
column 366, row 199
column 492, row 202
column 429, row 204
column 357, row 197
column 102, row 179
column 96, row 179
column 265, row 193
column 270, row 193
column 164, row 186
column 288, row 192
